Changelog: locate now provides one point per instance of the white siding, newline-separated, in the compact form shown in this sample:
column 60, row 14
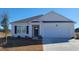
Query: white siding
column 49, row 30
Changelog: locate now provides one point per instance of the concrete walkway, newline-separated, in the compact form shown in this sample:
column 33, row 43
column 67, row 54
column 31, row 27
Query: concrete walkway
column 72, row 45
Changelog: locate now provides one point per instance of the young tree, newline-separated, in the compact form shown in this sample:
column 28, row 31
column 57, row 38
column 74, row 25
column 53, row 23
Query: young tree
column 4, row 24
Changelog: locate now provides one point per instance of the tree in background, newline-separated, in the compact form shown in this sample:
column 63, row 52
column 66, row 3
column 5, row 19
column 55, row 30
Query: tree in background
column 4, row 25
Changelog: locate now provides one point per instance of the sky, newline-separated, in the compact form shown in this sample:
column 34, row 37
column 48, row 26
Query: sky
column 21, row 13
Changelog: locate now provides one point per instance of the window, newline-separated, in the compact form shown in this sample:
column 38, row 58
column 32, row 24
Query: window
column 27, row 29
column 23, row 29
column 18, row 29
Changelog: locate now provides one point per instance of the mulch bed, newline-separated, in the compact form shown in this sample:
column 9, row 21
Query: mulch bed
column 21, row 44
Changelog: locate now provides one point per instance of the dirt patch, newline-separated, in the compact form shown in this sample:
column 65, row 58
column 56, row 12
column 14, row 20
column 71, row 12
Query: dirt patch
column 24, row 48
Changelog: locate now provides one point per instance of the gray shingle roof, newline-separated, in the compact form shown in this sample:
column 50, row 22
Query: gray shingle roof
column 39, row 16
column 27, row 19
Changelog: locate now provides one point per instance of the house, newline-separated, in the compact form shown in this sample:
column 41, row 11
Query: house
column 50, row 25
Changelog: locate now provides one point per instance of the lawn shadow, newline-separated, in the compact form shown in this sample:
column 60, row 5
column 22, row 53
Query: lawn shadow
column 17, row 42
column 55, row 40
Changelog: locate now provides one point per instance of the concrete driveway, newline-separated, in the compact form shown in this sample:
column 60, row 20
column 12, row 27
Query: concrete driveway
column 72, row 45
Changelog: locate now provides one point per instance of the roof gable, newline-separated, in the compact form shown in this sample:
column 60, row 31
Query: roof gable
column 53, row 16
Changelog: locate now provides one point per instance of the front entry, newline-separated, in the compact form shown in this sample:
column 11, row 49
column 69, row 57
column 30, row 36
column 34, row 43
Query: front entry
column 35, row 30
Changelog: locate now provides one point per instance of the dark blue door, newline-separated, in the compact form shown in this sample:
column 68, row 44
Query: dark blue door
column 35, row 30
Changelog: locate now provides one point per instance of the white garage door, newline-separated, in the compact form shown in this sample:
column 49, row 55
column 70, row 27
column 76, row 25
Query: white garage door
column 56, row 31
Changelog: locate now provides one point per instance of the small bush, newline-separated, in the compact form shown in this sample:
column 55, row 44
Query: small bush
column 18, row 36
column 40, row 37
column 77, row 35
column 72, row 37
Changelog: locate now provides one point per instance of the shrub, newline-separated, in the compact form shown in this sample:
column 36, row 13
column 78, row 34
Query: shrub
column 77, row 35
column 40, row 37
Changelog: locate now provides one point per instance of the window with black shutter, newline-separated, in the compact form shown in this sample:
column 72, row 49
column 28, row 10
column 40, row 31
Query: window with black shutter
column 15, row 29
column 27, row 29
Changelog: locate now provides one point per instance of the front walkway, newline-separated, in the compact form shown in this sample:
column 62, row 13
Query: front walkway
column 72, row 45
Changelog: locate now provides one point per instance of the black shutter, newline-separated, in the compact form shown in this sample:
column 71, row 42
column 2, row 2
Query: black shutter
column 27, row 29
column 15, row 29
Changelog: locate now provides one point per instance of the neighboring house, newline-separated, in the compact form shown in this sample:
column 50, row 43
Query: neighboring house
column 77, row 30
column 50, row 25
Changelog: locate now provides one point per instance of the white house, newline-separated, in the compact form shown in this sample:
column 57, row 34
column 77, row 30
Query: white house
column 50, row 25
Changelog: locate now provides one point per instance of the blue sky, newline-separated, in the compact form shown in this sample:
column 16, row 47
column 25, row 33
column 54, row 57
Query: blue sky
column 20, row 13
